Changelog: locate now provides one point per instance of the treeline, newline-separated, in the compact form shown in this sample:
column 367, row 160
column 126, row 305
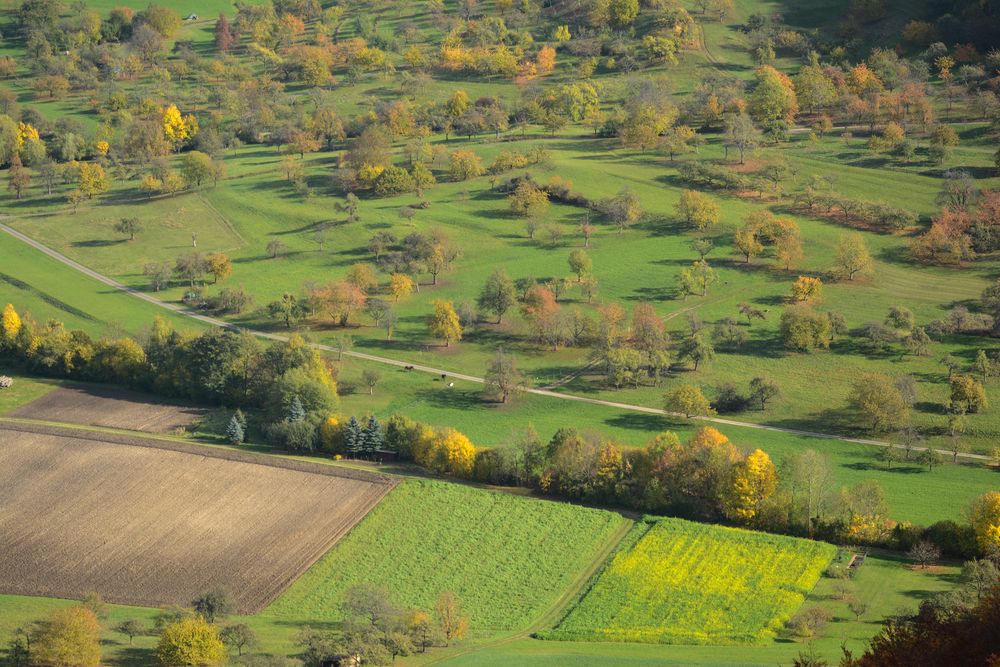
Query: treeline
column 706, row 478
column 219, row 366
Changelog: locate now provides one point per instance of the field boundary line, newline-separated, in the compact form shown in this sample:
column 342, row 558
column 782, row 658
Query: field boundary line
column 213, row 321
column 205, row 450
column 225, row 221
column 560, row 607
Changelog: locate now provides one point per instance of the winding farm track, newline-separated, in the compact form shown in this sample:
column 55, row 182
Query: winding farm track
column 212, row 321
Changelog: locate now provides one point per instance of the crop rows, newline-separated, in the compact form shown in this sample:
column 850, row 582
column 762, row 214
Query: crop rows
column 688, row 583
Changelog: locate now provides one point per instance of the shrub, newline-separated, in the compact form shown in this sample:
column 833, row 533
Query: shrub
column 297, row 436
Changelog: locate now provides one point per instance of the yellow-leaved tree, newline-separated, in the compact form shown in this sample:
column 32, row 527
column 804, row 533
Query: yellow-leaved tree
column 10, row 323
column 178, row 129
column 190, row 641
column 984, row 516
column 444, row 323
column 754, row 481
column 70, row 636
column 453, row 453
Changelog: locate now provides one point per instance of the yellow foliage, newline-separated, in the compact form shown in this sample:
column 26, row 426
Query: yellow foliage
column 754, row 481
column 176, row 128
column 423, row 446
column 71, row 636
column 102, row 147
column 10, row 322
column 26, row 133
column 331, row 433
column 984, row 516
column 400, row 286
column 807, row 288
column 707, row 437
column 444, row 323
column 368, row 173
column 454, row 453
column 190, row 641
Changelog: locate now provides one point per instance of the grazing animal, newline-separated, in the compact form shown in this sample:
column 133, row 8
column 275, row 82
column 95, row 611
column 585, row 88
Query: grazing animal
column 451, row 384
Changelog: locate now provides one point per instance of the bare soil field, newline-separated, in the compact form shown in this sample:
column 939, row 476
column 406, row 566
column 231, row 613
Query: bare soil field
column 159, row 524
column 110, row 408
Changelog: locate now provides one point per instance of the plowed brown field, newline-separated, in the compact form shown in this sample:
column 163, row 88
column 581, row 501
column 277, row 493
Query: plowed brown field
column 111, row 408
column 151, row 526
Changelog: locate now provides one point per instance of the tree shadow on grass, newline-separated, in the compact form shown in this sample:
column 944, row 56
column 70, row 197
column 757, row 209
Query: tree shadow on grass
column 449, row 398
column 880, row 467
column 648, row 423
column 98, row 243
column 134, row 655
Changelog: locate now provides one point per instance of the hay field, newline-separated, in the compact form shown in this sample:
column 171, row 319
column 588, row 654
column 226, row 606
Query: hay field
column 150, row 526
column 110, row 408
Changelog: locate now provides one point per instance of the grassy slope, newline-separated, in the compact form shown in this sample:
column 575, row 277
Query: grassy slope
column 52, row 291
column 257, row 207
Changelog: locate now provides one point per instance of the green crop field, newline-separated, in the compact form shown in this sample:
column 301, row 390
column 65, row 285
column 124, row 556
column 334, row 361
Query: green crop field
column 688, row 583
column 506, row 558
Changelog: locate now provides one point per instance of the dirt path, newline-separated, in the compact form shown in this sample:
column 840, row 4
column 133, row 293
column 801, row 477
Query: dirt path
column 212, row 321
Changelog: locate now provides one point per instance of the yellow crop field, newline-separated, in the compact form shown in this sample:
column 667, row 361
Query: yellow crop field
column 690, row 583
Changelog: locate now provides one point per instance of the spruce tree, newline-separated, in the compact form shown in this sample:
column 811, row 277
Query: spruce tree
column 235, row 431
column 296, row 412
column 353, row 437
column 373, row 437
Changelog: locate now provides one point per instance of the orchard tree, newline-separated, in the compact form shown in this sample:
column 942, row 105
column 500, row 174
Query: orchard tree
column 131, row 628
column 503, row 380
column 697, row 348
column 370, row 377
column 747, row 242
column 287, row 309
column 773, row 97
column 444, row 323
column 763, row 390
column 624, row 209
column 400, row 286
column 698, row 210
column 18, row 178
column 742, row 134
column 697, row 278
column 128, row 226
column 688, row 401
column 528, row 200
column 580, row 264
column 879, row 402
column 498, row 295
column 238, row 636
column 219, row 265
column 198, row 167
column 852, row 257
